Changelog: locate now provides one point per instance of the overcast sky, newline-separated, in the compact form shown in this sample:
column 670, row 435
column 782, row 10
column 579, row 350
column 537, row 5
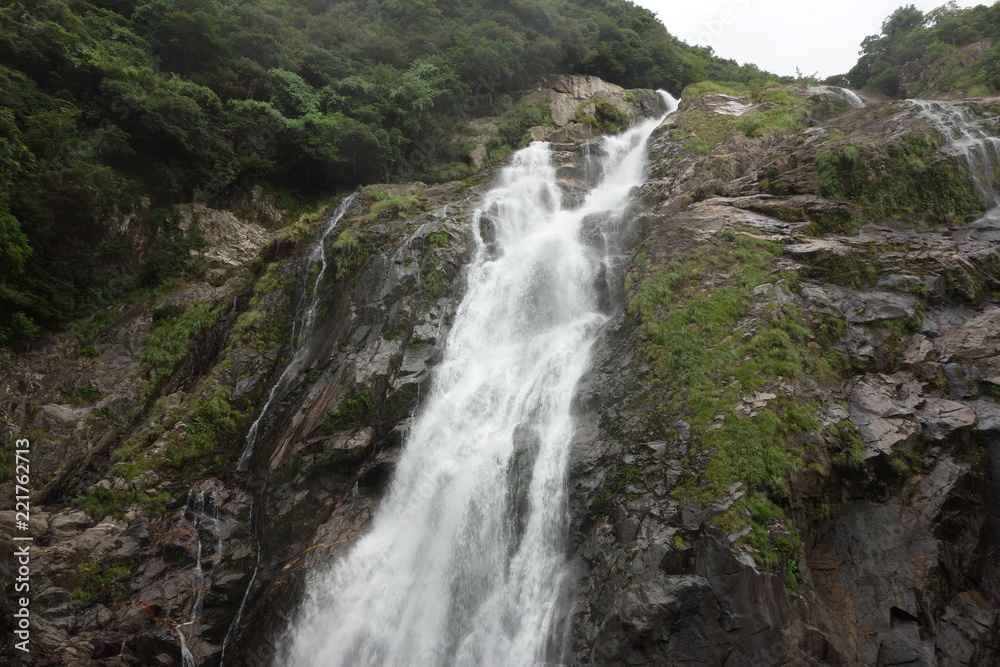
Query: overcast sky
column 779, row 35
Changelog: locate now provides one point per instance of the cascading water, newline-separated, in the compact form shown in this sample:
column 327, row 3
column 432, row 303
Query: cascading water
column 302, row 328
column 967, row 139
column 465, row 562
column 846, row 94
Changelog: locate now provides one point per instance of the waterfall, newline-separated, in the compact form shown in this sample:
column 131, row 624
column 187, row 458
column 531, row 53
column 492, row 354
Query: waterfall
column 852, row 98
column 966, row 138
column 302, row 327
column 466, row 559
column 845, row 94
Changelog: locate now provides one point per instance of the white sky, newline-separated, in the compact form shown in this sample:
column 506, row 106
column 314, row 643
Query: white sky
column 821, row 37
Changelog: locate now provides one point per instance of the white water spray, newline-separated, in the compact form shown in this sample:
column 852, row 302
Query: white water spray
column 302, row 328
column 466, row 561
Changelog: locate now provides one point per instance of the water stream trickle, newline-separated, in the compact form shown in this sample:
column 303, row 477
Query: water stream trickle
column 302, row 329
column 202, row 512
column 465, row 563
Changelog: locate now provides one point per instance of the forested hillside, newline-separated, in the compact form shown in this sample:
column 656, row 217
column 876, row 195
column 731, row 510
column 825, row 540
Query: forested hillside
column 119, row 105
column 948, row 49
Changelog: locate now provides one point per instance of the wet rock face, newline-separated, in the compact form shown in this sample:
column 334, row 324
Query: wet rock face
column 881, row 544
column 180, row 555
column 338, row 435
column 168, row 571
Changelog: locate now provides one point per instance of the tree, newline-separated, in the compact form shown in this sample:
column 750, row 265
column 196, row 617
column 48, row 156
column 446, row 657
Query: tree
column 14, row 248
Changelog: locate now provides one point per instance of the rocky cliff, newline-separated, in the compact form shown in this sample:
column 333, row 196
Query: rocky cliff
column 789, row 445
column 787, row 450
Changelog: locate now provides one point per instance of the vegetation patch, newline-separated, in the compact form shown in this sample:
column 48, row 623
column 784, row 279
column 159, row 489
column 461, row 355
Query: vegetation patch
column 104, row 581
column 433, row 281
column 850, row 454
column 607, row 117
column 265, row 324
column 348, row 253
column 440, row 239
column 778, row 110
column 898, row 179
column 356, row 409
column 86, row 393
column 215, row 427
column 772, row 539
column 696, row 342
column 99, row 503
column 170, row 340
column 715, row 342
column 389, row 207
column 512, row 131
column 87, row 329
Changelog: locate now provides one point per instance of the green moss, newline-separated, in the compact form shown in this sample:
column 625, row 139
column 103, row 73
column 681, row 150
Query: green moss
column 99, row 503
column 395, row 207
column 349, row 253
column 104, row 581
column 260, row 329
column 440, row 239
column 898, row 179
column 211, row 433
column 773, row 93
column 706, row 88
column 900, row 467
column 433, row 281
column 849, row 452
column 265, row 324
column 87, row 329
column 170, row 340
column 400, row 404
column 616, row 484
column 512, row 130
column 859, row 268
column 900, row 330
column 778, row 120
column 606, row 117
column 356, row 409
column 772, row 539
column 779, row 112
column 705, row 362
column 86, row 393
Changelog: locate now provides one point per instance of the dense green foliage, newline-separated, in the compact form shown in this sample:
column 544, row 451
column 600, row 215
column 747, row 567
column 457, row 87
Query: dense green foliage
column 932, row 38
column 104, row 103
